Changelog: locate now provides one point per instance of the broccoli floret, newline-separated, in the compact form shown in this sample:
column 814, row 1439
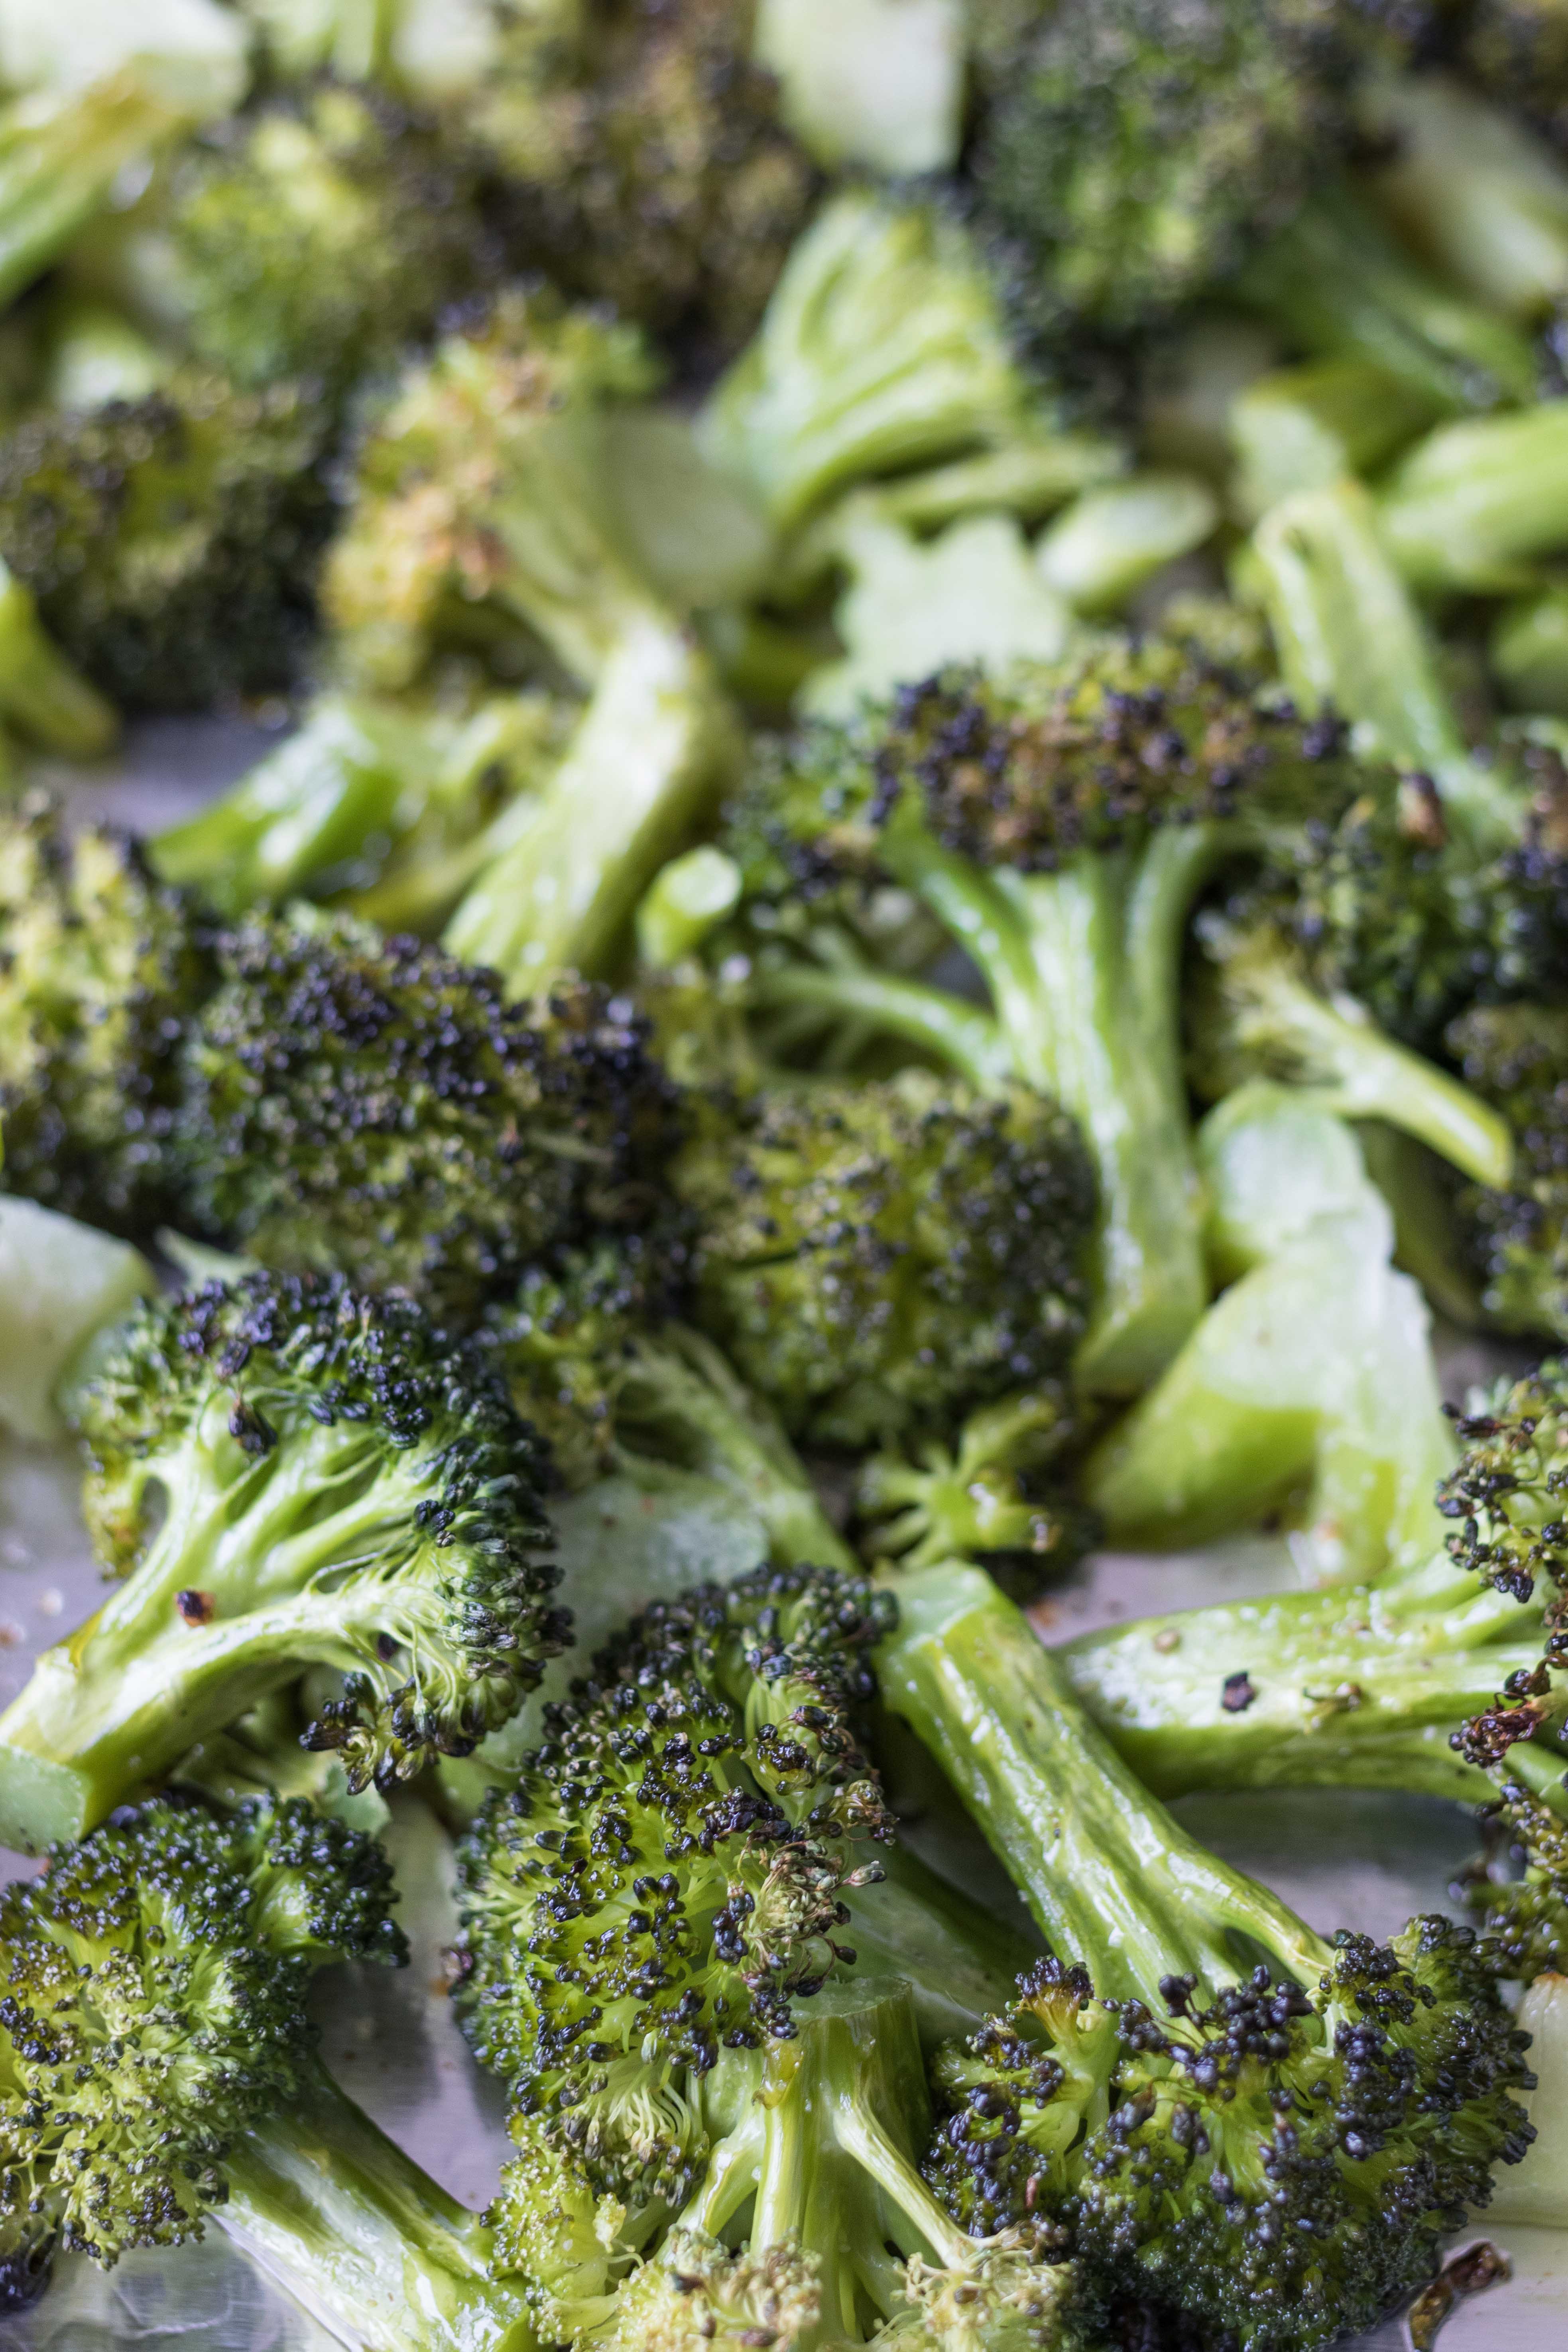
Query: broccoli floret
column 312, row 237
column 1057, row 823
column 886, row 345
column 388, row 804
column 1140, row 149
column 649, row 1921
column 1237, row 2117
column 171, row 540
column 643, row 160
column 154, row 2007
column 1376, row 1685
column 876, row 1256
column 342, row 1485
column 996, row 1494
column 370, row 1105
column 100, row 970
column 1512, row 1238
column 481, row 490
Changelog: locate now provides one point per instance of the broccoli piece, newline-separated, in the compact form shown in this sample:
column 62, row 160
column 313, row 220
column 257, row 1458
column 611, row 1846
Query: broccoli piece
column 996, row 1494
column 1512, row 1240
column 155, row 2009
column 158, row 2067
column 886, row 346
column 171, row 540
column 668, row 1879
column 312, row 237
column 100, row 967
column 353, row 1102
column 342, row 1485
column 389, row 805
column 1139, row 150
column 642, row 159
column 1378, row 1685
column 1336, row 284
column 1057, row 823
column 60, row 154
column 1313, row 1371
column 482, row 488
column 877, row 1256
column 1238, row 2119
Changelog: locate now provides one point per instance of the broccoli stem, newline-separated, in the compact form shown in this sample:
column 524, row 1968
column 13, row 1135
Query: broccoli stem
column 959, row 1035
column 1477, row 505
column 1111, row 1879
column 652, row 753
column 363, row 2238
column 40, row 693
column 1358, row 1687
column 227, row 1603
column 820, row 2136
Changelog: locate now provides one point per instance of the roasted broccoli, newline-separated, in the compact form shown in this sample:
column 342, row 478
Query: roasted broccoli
column 100, row 970
column 171, row 540
column 876, row 1256
column 287, row 1474
column 1265, row 2130
column 312, row 236
column 641, row 155
column 388, row 804
column 998, row 1494
column 649, row 1921
column 158, row 2068
column 1139, row 150
column 1511, row 1239
column 1057, row 822
column 348, row 1101
column 481, row 490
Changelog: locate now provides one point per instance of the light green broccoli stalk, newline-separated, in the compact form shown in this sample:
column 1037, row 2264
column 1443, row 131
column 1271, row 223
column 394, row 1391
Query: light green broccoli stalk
column 481, row 486
column 340, row 1486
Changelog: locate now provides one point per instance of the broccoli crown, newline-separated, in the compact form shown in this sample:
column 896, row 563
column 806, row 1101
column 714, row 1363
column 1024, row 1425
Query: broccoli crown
column 1141, row 146
column 98, row 968
column 667, row 1879
column 876, row 1257
column 1025, row 770
column 312, row 236
column 644, row 162
column 171, row 540
column 1504, row 1492
column 1281, row 2162
column 154, row 1984
column 345, row 1477
column 1524, row 1920
column 371, row 1104
column 1516, row 1057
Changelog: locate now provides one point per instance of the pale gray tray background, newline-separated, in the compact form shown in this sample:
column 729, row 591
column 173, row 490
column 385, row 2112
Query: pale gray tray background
column 1360, row 1861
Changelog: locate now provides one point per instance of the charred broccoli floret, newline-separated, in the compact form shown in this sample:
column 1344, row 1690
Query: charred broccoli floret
column 340, row 1485
column 158, row 2068
column 642, row 159
column 373, row 1105
column 100, row 969
column 1514, row 1238
column 877, row 1255
column 1139, row 149
column 1057, row 822
column 481, row 493
column 155, row 2008
column 650, row 1919
column 311, row 237
column 171, row 540
column 1237, row 2117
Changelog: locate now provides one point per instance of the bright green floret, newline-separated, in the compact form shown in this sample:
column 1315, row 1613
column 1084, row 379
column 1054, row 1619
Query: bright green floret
column 876, row 1257
column 995, row 1494
column 285, row 1474
column 313, row 238
column 171, row 539
column 154, row 2007
column 370, row 1105
column 100, row 970
column 1236, row 2118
